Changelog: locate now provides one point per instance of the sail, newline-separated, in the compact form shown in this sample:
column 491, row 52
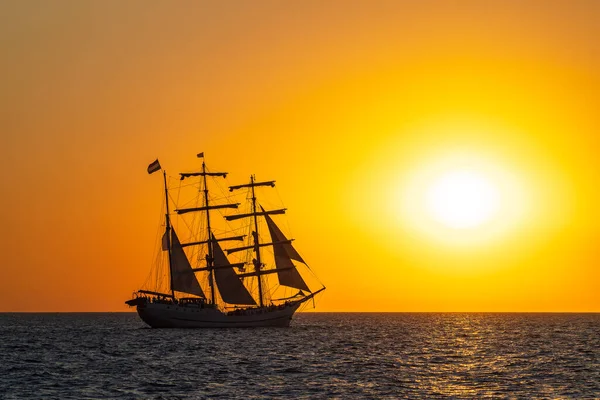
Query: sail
column 284, row 254
column 165, row 242
column 230, row 286
column 182, row 276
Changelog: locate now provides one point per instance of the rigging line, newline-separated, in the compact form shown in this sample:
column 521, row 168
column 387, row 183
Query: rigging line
column 198, row 252
column 160, row 273
column 159, row 229
column 229, row 224
column 154, row 268
column 223, row 192
column 183, row 184
column 313, row 274
column 216, row 196
column 178, row 192
column 189, row 224
column 227, row 198
column 287, row 220
column 224, row 195
column 291, row 234
column 271, row 290
column 197, row 203
column 186, row 186
column 169, row 193
column 177, row 204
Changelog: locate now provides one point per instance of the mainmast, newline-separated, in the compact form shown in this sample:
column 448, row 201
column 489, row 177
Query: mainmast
column 209, row 256
column 168, row 234
column 257, row 263
column 211, row 240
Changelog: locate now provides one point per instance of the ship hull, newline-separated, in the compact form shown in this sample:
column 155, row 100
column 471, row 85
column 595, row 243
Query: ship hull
column 159, row 315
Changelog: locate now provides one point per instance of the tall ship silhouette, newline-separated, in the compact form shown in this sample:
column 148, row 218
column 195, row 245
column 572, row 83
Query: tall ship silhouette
column 235, row 268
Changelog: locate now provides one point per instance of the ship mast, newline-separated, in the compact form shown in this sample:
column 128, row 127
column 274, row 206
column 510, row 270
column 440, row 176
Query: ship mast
column 168, row 234
column 257, row 263
column 209, row 257
column 256, row 245
column 210, row 240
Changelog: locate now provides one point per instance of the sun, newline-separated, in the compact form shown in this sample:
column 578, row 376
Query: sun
column 458, row 196
column 462, row 199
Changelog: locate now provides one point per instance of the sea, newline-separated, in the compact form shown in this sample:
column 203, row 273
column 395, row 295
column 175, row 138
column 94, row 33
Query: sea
column 320, row 356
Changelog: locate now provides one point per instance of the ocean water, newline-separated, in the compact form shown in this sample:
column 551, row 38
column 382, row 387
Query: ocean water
column 322, row 355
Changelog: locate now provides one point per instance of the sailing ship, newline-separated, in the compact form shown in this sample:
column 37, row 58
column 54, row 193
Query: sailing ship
column 205, row 289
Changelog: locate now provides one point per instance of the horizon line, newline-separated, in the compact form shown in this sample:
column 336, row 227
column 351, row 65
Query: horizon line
column 330, row 312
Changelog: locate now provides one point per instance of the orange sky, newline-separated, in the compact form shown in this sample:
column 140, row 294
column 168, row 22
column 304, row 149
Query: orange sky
column 351, row 106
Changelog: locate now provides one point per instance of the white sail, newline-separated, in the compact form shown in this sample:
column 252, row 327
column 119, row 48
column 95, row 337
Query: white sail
column 284, row 252
column 230, row 286
column 183, row 277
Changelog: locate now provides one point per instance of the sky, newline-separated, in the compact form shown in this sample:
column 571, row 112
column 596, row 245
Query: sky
column 433, row 155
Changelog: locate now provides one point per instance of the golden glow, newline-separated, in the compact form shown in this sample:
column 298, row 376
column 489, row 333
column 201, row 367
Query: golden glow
column 464, row 191
column 462, row 199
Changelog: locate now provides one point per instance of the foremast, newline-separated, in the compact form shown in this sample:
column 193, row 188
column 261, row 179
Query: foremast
column 168, row 235
column 181, row 275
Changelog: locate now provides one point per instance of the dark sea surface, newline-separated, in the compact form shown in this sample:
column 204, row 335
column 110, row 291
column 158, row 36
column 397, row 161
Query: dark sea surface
column 322, row 355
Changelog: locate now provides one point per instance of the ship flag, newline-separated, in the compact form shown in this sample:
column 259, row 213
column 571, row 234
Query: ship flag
column 153, row 167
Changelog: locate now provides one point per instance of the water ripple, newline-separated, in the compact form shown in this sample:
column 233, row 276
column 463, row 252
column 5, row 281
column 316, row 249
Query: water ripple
column 325, row 355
